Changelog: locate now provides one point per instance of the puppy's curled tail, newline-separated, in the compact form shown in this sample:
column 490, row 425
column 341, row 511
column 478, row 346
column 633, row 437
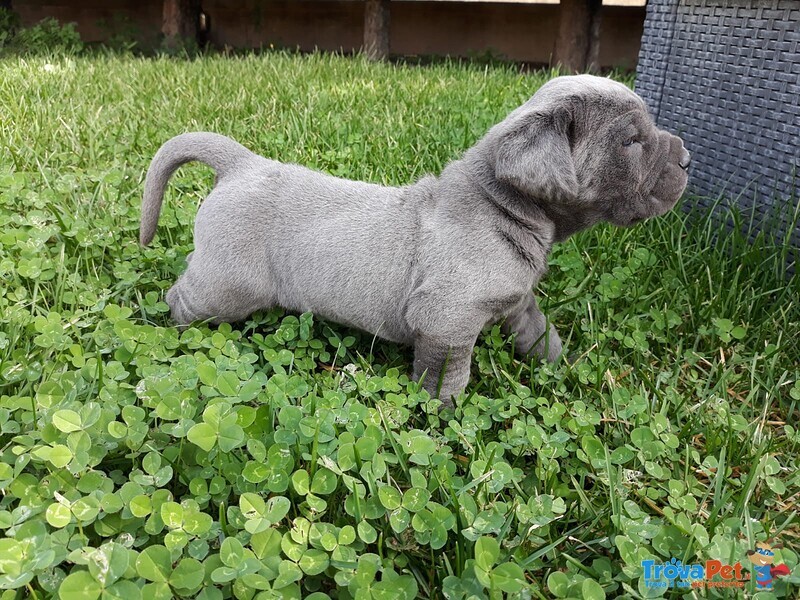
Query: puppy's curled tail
column 217, row 151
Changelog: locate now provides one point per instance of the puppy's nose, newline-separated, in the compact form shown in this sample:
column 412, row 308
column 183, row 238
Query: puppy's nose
column 686, row 158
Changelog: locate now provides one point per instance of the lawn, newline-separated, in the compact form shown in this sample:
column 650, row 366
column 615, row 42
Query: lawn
column 288, row 457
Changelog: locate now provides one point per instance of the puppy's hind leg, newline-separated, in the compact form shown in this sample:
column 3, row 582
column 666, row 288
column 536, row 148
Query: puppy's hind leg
column 210, row 291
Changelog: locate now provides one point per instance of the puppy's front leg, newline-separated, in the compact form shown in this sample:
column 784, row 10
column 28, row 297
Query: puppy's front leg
column 445, row 366
column 532, row 336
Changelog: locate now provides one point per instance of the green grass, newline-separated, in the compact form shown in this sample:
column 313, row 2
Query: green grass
column 288, row 457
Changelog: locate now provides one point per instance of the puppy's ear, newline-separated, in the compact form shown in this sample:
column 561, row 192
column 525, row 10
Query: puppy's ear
column 535, row 156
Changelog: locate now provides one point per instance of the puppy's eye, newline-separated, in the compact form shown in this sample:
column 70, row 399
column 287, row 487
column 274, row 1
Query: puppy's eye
column 629, row 141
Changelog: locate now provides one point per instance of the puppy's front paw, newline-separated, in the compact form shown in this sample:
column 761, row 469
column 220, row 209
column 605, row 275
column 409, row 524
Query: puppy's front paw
column 552, row 345
column 447, row 402
column 446, row 395
column 547, row 346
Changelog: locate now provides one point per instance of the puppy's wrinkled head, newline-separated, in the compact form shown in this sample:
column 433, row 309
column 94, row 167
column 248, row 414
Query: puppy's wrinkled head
column 586, row 150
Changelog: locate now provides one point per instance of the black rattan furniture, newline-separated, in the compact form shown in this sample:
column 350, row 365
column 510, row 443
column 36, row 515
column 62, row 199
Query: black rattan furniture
column 725, row 76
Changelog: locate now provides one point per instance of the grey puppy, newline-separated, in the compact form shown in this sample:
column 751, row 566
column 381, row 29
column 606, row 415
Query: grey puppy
column 432, row 263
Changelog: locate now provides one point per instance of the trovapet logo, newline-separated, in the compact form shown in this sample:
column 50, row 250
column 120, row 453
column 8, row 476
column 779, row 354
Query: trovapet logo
column 674, row 574
column 715, row 573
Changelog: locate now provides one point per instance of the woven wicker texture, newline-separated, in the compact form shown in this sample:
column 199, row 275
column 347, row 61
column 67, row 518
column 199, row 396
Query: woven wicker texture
column 725, row 76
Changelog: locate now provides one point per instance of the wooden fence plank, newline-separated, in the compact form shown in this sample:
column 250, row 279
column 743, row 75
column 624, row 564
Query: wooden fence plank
column 376, row 29
column 180, row 21
column 578, row 35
